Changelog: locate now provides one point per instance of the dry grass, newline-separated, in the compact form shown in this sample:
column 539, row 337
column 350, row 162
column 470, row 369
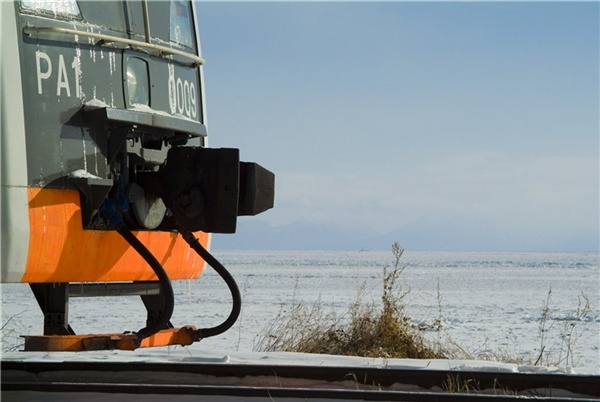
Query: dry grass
column 10, row 341
column 369, row 331
column 558, row 336
column 385, row 330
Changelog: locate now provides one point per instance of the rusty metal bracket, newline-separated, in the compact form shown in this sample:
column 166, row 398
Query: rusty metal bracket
column 183, row 336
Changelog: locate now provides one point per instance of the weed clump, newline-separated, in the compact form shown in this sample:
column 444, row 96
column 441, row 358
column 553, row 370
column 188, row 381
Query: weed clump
column 369, row 331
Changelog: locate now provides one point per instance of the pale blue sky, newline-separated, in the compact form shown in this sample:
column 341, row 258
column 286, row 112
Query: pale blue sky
column 442, row 126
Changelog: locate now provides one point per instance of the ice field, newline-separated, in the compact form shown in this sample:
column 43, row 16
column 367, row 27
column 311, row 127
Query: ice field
column 491, row 304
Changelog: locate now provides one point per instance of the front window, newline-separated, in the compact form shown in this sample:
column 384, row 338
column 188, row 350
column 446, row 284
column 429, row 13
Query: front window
column 181, row 24
column 170, row 22
column 53, row 8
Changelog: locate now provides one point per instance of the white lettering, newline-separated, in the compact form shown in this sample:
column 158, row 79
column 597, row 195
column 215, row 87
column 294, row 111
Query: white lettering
column 75, row 67
column 42, row 75
column 172, row 95
column 63, row 79
column 186, row 97
column 193, row 99
column 183, row 98
column 180, row 100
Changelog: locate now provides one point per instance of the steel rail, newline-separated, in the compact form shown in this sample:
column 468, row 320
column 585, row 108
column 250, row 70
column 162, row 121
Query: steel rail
column 162, row 50
column 208, row 378
column 64, row 390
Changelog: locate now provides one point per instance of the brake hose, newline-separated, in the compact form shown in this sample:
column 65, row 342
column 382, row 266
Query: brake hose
column 163, row 278
column 167, row 289
column 225, row 275
column 112, row 209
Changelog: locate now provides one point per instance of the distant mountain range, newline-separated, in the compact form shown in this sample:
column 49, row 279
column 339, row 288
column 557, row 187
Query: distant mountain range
column 253, row 234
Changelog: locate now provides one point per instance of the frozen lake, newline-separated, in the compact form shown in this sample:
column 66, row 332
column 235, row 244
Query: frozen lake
column 491, row 303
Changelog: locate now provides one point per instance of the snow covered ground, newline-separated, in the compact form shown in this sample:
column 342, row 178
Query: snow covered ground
column 199, row 355
column 490, row 303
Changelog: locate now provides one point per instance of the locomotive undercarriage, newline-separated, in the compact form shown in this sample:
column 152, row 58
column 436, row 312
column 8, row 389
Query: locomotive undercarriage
column 158, row 184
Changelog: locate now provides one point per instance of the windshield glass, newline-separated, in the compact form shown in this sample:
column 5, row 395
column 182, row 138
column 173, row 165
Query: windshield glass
column 181, row 23
column 171, row 22
column 53, row 8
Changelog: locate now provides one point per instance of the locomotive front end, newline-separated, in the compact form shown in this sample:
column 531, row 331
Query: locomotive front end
column 106, row 174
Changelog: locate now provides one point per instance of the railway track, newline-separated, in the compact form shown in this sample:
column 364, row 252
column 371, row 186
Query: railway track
column 114, row 381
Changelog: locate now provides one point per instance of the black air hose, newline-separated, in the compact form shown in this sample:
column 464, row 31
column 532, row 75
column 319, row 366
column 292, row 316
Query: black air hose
column 223, row 273
column 165, row 283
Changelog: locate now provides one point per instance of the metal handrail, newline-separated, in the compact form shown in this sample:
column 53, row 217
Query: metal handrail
column 163, row 50
column 146, row 20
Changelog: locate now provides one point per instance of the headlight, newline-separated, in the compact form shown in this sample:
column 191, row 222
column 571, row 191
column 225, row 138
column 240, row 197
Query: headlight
column 138, row 85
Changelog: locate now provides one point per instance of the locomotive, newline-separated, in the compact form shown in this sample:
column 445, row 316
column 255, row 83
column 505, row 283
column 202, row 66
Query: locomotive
column 108, row 184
